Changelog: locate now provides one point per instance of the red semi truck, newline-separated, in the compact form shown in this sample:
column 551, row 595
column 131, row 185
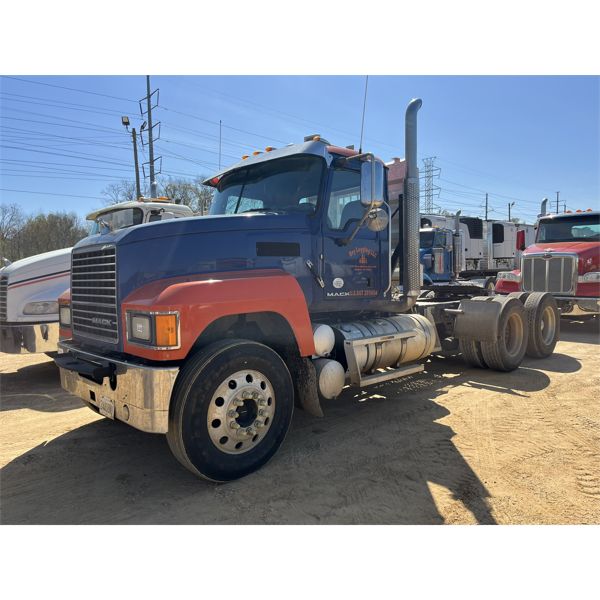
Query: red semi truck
column 564, row 261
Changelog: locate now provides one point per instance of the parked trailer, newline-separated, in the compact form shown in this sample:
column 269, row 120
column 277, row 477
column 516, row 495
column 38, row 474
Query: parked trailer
column 29, row 288
column 208, row 330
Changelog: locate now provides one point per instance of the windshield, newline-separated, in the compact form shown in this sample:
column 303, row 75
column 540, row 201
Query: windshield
column 116, row 219
column 283, row 186
column 579, row 228
column 426, row 240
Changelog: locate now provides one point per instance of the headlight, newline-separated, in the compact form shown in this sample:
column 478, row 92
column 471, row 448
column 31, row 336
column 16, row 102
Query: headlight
column 509, row 276
column 592, row 276
column 65, row 315
column 41, row 308
column 157, row 330
column 140, row 328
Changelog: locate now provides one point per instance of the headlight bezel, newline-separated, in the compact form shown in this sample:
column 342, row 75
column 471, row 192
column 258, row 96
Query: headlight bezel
column 590, row 277
column 151, row 317
column 509, row 276
column 62, row 322
column 44, row 307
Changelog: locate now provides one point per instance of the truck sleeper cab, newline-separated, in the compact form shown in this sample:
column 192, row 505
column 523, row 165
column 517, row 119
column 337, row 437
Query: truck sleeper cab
column 208, row 330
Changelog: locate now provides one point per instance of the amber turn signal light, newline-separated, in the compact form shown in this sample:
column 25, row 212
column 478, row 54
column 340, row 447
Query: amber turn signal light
column 166, row 330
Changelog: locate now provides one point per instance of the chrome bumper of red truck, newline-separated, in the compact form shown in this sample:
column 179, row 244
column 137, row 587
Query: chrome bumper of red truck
column 136, row 394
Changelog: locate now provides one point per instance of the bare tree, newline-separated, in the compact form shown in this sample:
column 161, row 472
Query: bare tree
column 190, row 192
column 22, row 236
column 119, row 192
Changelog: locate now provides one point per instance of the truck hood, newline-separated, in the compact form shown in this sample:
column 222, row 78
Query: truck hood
column 39, row 265
column 588, row 252
column 165, row 230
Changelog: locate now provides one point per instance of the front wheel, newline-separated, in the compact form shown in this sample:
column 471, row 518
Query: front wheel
column 231, row 408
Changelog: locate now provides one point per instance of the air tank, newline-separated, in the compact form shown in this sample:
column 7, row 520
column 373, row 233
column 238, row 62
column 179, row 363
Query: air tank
column 324, row 339
column 379, row 355
column 331, row 377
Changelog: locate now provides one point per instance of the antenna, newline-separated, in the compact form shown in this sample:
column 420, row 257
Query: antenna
column 362, row 125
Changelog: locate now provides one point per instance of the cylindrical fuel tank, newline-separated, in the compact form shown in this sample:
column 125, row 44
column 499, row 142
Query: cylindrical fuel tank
column 331, row 377
column 388, row 354
column 324, row 339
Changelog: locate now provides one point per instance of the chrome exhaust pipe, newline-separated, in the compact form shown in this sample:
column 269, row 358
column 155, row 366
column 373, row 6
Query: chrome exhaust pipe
column 411, row 276
column 543, row 208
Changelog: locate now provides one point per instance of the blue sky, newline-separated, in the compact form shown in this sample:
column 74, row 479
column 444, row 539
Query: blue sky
column 517, row 138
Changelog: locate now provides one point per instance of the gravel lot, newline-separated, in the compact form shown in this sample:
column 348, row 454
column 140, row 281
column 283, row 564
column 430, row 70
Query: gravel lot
column 451, row 445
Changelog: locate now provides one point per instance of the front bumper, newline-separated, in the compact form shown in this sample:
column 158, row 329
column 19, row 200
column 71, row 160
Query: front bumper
column 140, row 394
column 18, row 338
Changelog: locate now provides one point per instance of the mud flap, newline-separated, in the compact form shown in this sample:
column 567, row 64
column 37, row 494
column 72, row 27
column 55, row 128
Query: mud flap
column 477, row 319
column 305, row 385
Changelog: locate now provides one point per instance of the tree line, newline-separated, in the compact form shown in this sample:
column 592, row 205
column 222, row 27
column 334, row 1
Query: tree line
column 23, row 235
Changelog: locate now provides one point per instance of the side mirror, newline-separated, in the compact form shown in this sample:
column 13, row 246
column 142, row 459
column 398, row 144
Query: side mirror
column 378, row 220
column 371, row 183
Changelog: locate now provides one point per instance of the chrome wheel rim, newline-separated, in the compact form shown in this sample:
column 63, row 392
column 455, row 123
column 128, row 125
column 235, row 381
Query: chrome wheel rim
column 241, row 412
column 548, row 325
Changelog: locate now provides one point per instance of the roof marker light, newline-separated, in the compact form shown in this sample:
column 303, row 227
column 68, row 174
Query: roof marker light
column 256, row 153
column 269, row 149
column 244, row 157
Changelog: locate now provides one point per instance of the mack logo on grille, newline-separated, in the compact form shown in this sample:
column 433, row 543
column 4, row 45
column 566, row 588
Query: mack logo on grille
column 101, row 321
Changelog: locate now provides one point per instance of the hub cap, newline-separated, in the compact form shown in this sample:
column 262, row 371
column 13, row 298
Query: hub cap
column 241, row 412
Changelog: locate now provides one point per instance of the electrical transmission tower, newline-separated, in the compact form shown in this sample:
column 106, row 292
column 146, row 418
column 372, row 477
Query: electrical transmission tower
column 430, row 189
column 147, row 104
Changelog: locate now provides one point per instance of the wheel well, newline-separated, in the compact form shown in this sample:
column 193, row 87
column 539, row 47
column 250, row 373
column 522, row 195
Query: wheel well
column 268, row 328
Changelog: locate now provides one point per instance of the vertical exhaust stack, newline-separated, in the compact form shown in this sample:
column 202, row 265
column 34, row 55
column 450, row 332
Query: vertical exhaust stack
column 543, row 208
column 411, row 276
column 457, row 247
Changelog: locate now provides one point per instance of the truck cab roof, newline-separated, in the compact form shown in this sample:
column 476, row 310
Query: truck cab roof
column 143, row 204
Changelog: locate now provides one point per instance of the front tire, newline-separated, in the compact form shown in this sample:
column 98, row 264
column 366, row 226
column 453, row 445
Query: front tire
column 231, row 409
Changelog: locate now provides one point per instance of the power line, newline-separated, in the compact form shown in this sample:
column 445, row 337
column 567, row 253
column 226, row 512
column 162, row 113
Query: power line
column 49, row 194
column 62, row 87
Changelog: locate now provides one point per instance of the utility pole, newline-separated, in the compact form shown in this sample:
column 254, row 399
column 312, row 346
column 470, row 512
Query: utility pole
column 509, row 205
column 125, row 121
column 138, row 190
column 557, row 194
column 486, row 206
column 564, row 206
column 220, row 124
column 153, row 193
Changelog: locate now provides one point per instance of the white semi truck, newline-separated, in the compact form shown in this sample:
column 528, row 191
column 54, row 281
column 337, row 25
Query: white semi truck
column 30, row 287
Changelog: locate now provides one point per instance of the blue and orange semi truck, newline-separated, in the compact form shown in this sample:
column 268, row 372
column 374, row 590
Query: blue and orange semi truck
column 211, row 329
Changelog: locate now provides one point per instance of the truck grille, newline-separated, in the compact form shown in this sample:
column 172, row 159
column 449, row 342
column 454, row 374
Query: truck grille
column 94, row 294
column 549, row 273
column 3, row 293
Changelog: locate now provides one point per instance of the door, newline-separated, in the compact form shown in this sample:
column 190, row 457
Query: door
column 357, row 269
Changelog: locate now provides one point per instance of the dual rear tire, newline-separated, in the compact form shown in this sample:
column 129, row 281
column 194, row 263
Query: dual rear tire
column 529, row 324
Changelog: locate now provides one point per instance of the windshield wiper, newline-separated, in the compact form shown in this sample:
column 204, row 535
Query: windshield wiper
column 264, row 209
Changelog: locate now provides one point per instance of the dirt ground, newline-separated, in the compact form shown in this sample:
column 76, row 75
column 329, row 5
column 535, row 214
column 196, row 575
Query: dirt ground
column 450, row 445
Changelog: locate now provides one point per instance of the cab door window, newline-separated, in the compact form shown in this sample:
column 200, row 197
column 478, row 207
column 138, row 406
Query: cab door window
column 344, row 199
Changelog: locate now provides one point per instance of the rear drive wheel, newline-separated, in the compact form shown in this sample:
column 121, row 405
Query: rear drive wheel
column 231, row 408
column 471, row 353
column 507, row 351
column 543, row 322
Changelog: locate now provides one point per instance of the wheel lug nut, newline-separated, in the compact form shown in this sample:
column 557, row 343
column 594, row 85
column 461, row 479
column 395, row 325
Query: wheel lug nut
column 255, row 395
column 259, row 424
column 262, row 413
column 250, row 431
column 247, row 395
column 234, row 425
column 262, row 402
column 238, row 402
column 232, row 413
